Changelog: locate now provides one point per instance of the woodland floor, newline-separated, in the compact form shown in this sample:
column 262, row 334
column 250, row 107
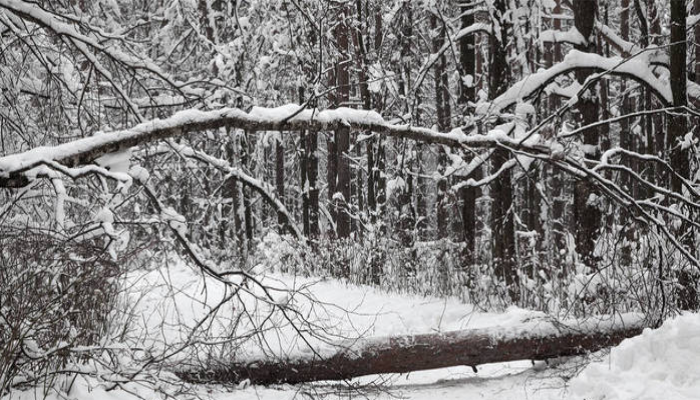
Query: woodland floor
column 168, row 300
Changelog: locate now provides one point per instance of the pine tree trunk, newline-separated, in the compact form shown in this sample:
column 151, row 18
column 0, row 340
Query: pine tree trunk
column 404, row 354
column 626, row 141
column 696, row 34
column 367, row 105
column 342, row 135
column 586, row 213
column 304, row 172
column 677, row 125
column 502, row 219
column 469, row 195
column 279, row 182
column 311, row 149
column 442, row 107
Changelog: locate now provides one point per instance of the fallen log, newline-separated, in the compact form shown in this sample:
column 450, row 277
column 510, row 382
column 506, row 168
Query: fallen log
column 532, row 340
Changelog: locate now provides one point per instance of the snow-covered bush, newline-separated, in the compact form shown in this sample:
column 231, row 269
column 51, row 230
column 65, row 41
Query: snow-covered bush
column 56, row 296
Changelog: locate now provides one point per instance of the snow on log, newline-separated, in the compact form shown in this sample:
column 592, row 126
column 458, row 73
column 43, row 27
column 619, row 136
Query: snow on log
column 15, row 167
column 537, row 339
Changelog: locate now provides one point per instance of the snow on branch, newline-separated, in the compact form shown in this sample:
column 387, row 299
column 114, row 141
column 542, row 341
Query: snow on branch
column 627, row 49
column 634, row 68
column 33, row 12
column 572, row 36
column 14, row 168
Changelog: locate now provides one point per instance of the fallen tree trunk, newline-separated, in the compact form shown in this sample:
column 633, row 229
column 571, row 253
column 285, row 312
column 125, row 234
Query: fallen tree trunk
column 533, row 340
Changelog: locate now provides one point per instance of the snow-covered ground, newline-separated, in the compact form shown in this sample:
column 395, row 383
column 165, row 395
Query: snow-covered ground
column 659, row 364
column 167, row 302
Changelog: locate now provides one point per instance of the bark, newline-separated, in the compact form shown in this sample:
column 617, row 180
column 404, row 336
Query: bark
column 677, row 125
column 243, row 193
column 646, row 145
column 342, row 133
column 402, row 354
column 84, row 151
column 304, row 173
column 332, row 158
column 586, row 214
column 659, row 132
column 367, row 105
column 404, row 205
column 378, row 172
column 556, row 181
column 626, row 141
column 468, row 194
column 696, row 34
column 312, row 176
column 442, row 106
column 503, row 224
column 279, row 180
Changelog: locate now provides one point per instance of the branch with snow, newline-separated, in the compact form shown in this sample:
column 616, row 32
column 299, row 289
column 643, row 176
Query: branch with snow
column 633, row 68
column 15, row 168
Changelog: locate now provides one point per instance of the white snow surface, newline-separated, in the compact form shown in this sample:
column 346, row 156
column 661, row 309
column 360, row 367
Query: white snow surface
column 635, row 67
column 173, row 297
column 659, row 364
column 176, row 293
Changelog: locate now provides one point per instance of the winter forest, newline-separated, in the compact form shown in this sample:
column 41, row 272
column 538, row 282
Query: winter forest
column 415, row 199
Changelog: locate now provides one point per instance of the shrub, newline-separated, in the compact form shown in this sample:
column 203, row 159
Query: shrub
column 55, row 295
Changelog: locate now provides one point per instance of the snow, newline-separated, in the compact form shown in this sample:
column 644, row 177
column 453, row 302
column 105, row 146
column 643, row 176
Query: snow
column 115, row 162
column 345, row 311
column 512, row 381
column 193, row 119
column 174, row 220
column 294, row 113
column 659, row 364
column 572, row 36
column 171, row 299
column 636, row 67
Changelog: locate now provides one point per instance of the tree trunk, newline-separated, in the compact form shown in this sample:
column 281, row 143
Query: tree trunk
column 677, row 128
column 332, row 158
column 696, row 33
column 367, row 105
column 312, row 177
column 586, row 213
column 304, row 172
column 279, row 181
column 626, row 142
column 402, row 354
column 659, row 133
column 342, row 134
column 442, row 108
column 468, row 194
column 503, row 224
column 557, row 184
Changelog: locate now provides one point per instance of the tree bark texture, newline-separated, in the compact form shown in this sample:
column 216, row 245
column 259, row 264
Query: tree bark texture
column 586, row 213
column 403, row 354
column 502, row 218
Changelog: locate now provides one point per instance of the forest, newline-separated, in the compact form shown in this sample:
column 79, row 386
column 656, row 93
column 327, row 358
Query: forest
column 219, row 199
